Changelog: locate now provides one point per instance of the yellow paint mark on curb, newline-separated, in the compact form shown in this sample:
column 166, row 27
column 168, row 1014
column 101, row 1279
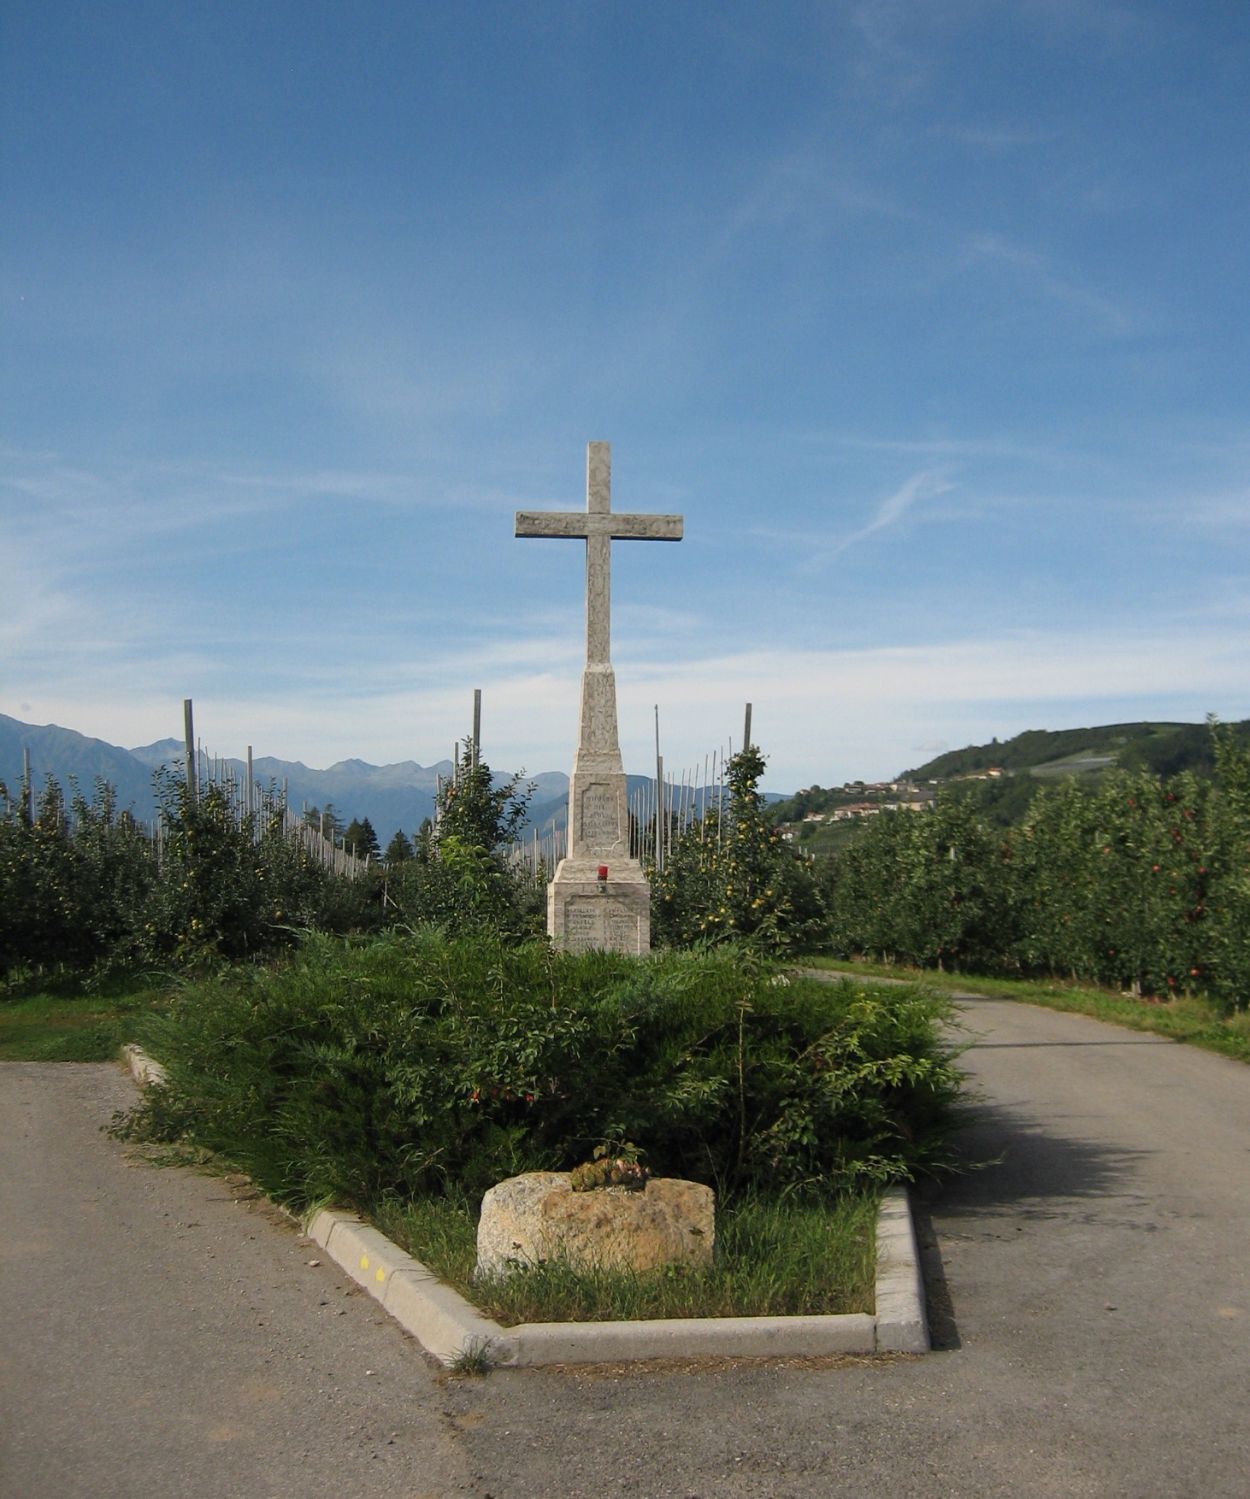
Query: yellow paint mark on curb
column 380, row 1276
column 364, row 1261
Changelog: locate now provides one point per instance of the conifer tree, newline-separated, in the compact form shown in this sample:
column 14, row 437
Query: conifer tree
column 399, row 849
column 360, row 838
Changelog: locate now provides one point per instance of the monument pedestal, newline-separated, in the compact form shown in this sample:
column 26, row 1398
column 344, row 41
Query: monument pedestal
column 585, row 912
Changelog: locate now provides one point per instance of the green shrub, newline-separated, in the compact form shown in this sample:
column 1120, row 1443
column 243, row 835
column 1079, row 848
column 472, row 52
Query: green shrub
column 412, row 1065
column 735, row 879
column 458, row 877
column 928, row 888
column 231, row 886
column 1227, row 889
column 72, row 880
column 463, row 888
column 476, row 812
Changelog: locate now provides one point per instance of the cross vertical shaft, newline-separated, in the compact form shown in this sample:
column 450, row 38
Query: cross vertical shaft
column 598, row 555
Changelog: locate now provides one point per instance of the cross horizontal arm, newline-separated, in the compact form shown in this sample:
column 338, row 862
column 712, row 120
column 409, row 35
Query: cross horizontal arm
column 552, row 523
column 582, row 524
column 644, row 527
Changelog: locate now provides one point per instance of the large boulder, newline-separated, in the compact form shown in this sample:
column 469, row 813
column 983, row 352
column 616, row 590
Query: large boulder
column 528, row 1219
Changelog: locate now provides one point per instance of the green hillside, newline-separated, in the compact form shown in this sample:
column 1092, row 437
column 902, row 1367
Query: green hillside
column 1164, row 748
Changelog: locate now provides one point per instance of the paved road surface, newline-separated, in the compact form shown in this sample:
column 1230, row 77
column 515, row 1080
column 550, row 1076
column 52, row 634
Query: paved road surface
column 1090, row 1291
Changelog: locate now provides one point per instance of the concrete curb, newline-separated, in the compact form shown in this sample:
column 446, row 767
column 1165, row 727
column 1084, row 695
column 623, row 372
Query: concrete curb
column 451, row 1328
column 902, row 1324
column 143, row 1069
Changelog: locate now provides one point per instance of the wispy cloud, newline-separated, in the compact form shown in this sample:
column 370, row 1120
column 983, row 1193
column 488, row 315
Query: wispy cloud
column 887, row 62
column 165, row 495
column 1211, row 512
column 941, row 446
column 822, row 715
column 1110, row 21
column 1110, row 317
column 35, row 604
column 928, row 484
column 808, row 182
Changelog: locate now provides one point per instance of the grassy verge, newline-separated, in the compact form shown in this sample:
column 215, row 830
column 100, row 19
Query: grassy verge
column 1187, row 1018
column 58, row 1021
column 773, row 1259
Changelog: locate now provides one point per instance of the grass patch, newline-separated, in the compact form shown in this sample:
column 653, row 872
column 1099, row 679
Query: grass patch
column 1188, row 1018
column 60, row 1022
column 773, row 1259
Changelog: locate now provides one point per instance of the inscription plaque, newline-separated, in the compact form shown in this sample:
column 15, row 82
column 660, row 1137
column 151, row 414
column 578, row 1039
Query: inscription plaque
column 583, row 924
column 621, row 929
column 600, row 922
column 600, row 824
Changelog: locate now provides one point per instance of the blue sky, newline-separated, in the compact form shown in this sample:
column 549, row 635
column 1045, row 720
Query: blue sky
column 930, row 316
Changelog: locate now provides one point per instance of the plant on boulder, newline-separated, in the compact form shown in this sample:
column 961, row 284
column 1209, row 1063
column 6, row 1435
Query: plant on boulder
column 611, row 1166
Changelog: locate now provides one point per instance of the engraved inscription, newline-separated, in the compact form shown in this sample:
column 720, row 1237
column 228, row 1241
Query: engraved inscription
column 621, row 929
column 600, row 824
column 598, row 922
column 583, row 925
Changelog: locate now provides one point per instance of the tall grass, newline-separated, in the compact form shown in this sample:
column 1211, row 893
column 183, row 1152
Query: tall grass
column 773, row 1259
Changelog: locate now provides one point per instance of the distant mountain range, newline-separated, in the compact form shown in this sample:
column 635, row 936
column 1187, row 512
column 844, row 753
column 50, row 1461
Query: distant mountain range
column 392, row 797
column 401, row 796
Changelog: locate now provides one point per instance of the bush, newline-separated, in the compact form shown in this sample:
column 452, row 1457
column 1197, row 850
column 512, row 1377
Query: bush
column 413, row 1065
column 458, row 877
column 927, row 888
column 231, row 885
column 72, row 880
column 735, row 879
column 1227, row 889
column 463, row 888
column 1141, row 883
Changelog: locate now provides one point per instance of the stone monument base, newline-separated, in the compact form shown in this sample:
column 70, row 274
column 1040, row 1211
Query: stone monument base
column 585, row 913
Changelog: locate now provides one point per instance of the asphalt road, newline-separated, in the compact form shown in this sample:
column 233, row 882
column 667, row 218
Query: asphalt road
column 1089, row 1291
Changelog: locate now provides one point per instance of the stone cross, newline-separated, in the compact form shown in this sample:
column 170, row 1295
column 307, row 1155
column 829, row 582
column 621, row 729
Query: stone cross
column 599, row 896
column 600, row 528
